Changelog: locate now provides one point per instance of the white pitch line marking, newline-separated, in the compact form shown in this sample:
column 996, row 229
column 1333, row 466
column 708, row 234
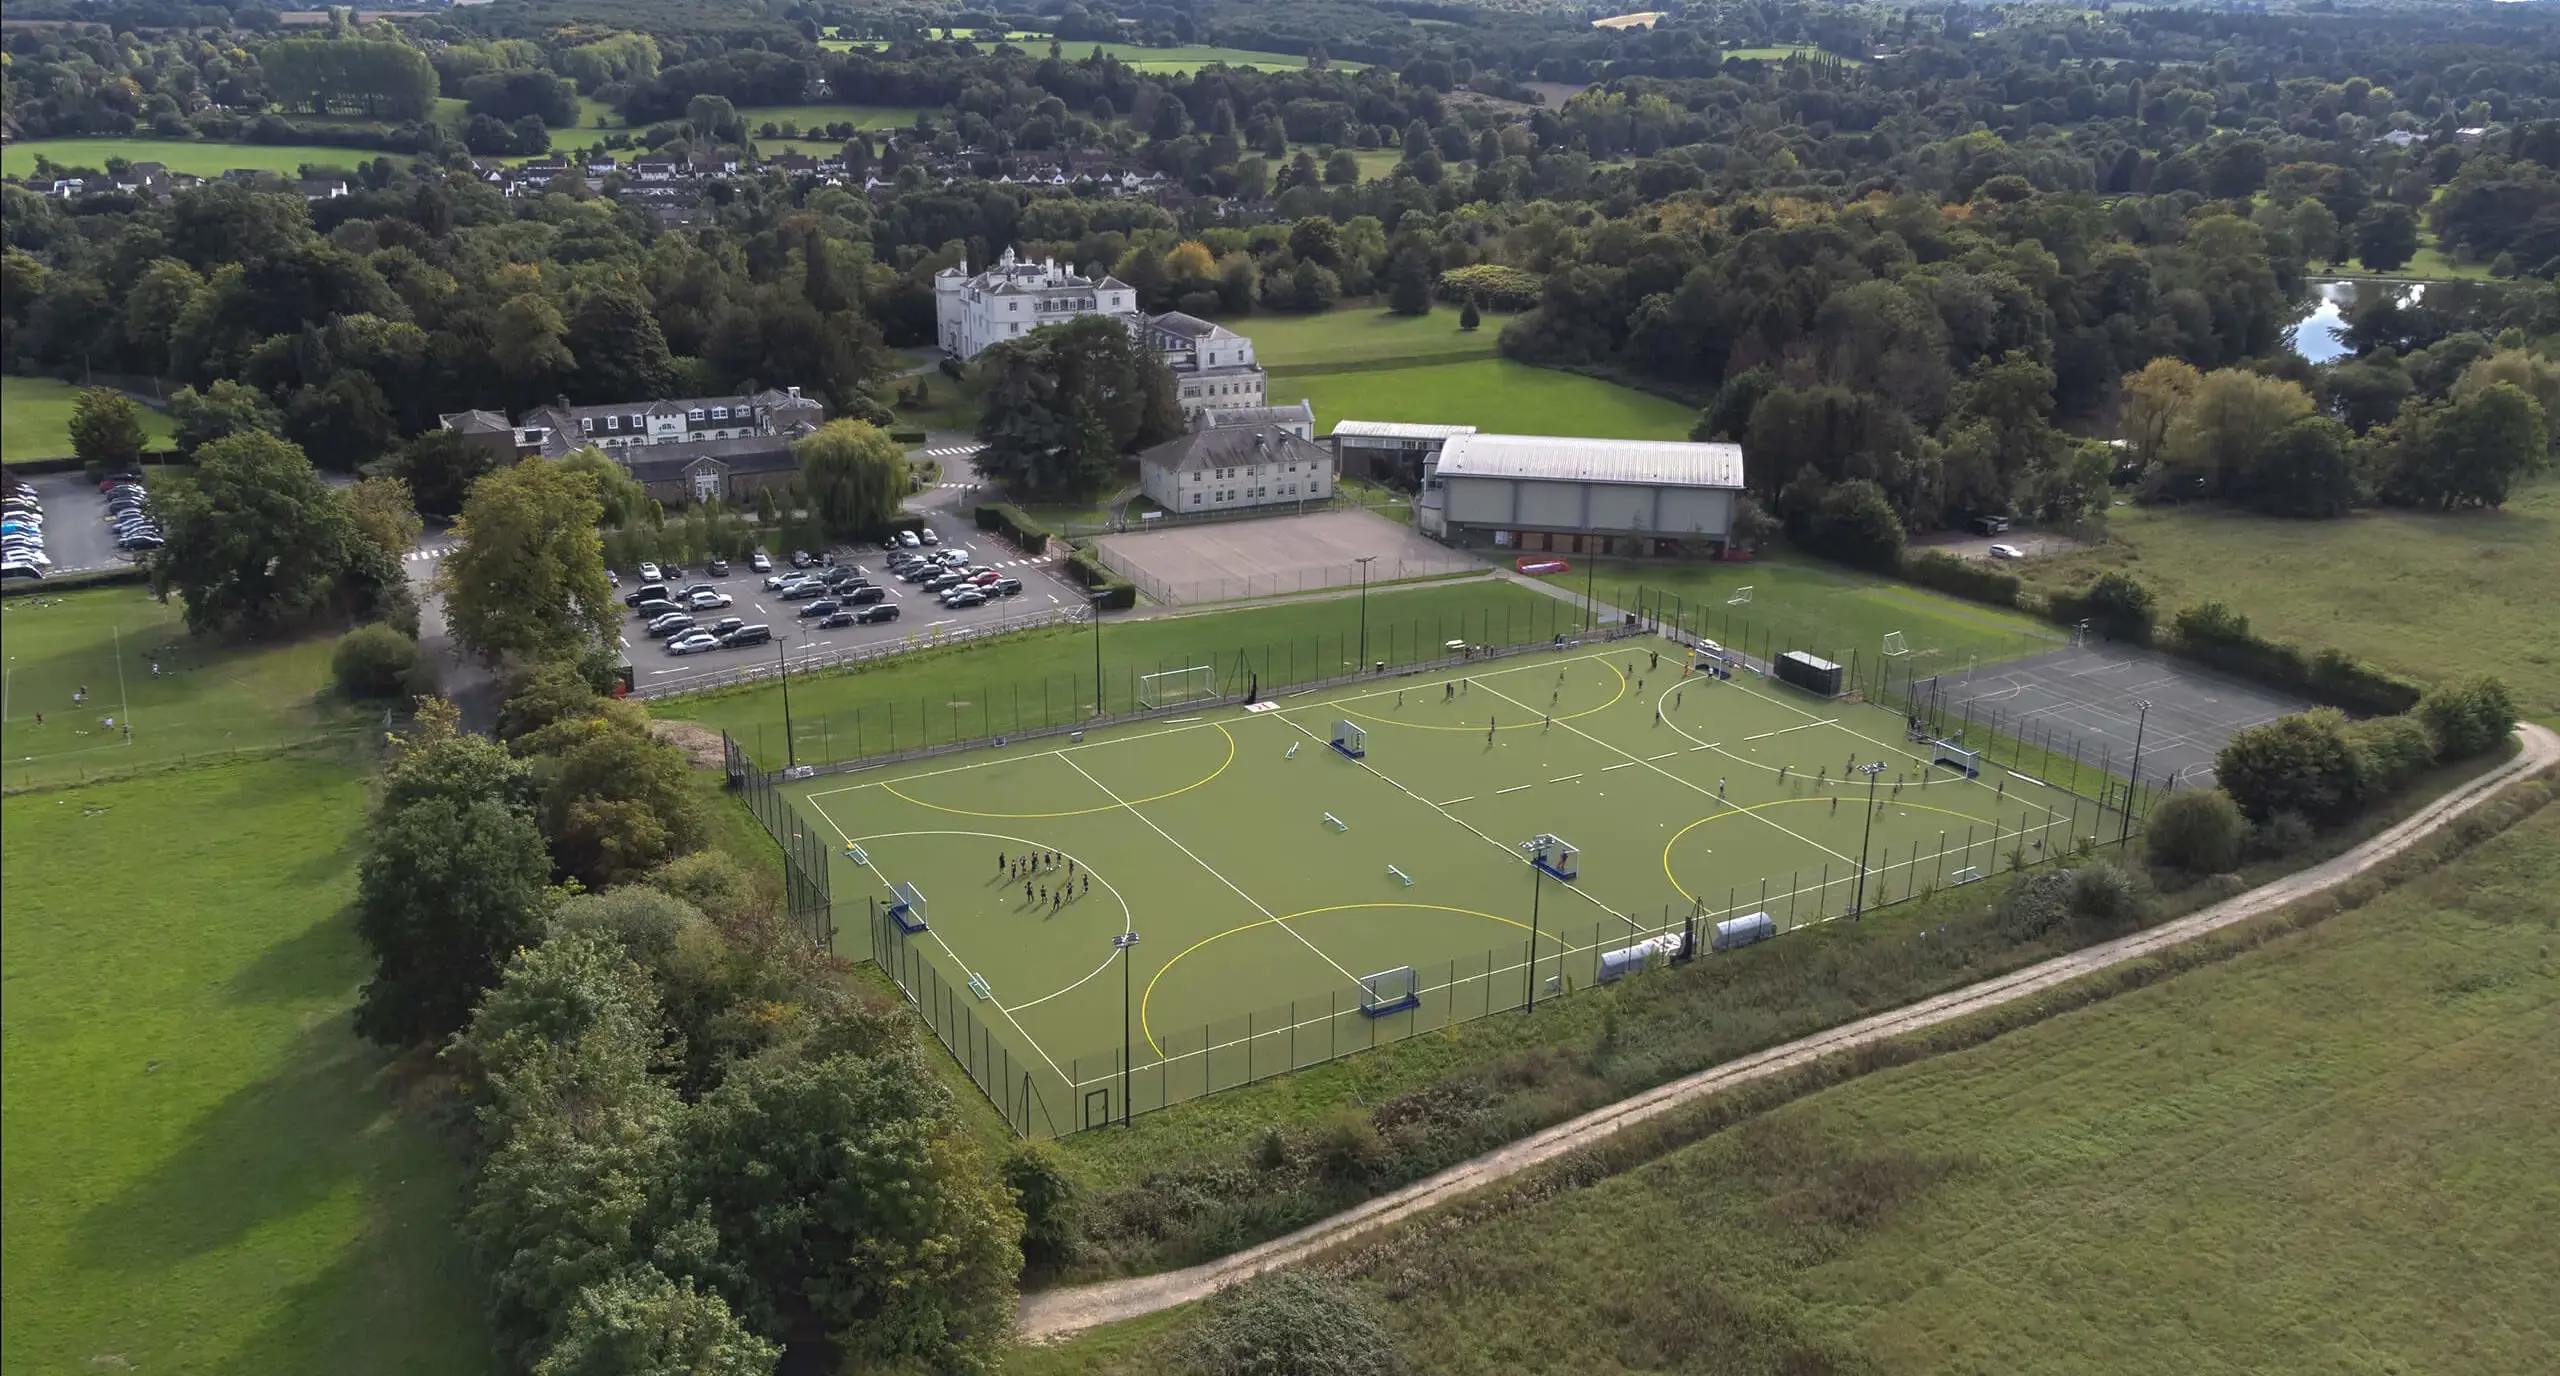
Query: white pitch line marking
column 1627, row 764
column 1455, row 801
column 1513, row 789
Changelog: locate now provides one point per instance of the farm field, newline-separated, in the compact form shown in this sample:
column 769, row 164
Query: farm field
column 208, row 698
column 1356, row 337
column 2327, row 1154
column 1374, row 162
column 815, row 117
column 197, row 158
column 2429, row 595
column 35, row 419
column 1781, row 54
column 205, row 1170
column 1274, row 875
column 1492, row 394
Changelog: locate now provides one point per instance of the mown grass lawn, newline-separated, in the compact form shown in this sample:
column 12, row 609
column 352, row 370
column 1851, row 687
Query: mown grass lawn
column 209, row 698
column 195, row 157
column 964, row 688
column 205, row 1171
column 2328, row 1154
column 1830, row 610
column 812, row 118
column 2429, row 595
column 35, row 418
column 1356, row 337
column 1492, row 394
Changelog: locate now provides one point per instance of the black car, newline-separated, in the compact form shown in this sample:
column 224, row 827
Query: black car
column 654, row 607
column 748, row 635
column 1004, row 587
column 643, row 593
column 725, row 625
column 821, row 607
column 871, row 615
column 671, row 570
column 941, row 581
column 863, row 597
column 809, row 587
column 800, row 559
column 837, row 577
column 834, row 619
column 717, row 568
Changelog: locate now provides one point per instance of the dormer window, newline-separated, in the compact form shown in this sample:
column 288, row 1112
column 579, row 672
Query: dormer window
column 586, row 425
column 639, row 421
column 613, row 422
column 719, row 413
column 694, row 415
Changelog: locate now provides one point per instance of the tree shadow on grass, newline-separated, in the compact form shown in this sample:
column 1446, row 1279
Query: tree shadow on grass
column 322, row 961
column 265, row 1154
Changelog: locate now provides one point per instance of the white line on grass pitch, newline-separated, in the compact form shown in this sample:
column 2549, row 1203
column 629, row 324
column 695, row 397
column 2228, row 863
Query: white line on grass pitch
column 1513, row 789
column 1212, row 869
column 1799, row 726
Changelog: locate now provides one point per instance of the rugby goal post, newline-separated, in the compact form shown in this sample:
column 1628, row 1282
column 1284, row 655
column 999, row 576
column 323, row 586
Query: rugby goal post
column 1174, row 687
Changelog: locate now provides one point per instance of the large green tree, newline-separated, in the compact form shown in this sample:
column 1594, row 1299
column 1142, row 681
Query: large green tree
column 855, row 475
column 106, row 429
column 450, row 890
column 525, row 578
column 255, row 539
column 223, row 409
column 1063, row 403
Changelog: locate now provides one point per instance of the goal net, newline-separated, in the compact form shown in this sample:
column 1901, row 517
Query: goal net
column 1893, row 646
column 1741, row 596
column 1173, row 687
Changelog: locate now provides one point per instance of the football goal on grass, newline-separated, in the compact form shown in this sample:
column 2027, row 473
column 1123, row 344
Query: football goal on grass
column 1174, row 687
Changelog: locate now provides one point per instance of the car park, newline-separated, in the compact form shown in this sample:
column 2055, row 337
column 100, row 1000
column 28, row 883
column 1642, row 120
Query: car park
column 717, row 568
column 820, row 607
column 863, row 597
column 877, row 613
column 693, row 643
column 927, row 536
column 760, row 561
column 747, row 635
column 725, row 625
column 709, row 599
column 839, row 575
column 834, row 619
column 650, row 572
column 643, row 593
column 19, row 568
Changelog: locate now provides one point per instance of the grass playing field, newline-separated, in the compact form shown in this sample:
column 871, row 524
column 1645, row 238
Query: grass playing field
column 208, row 698
column 205, row 1173
column 1271, row 871
column 195, row 157
column 1492, row 394
column 811, row 118
column 1171, row 61
column 2428, row 594
column 1834, row 611
column 1357, row 337
column 35, row 418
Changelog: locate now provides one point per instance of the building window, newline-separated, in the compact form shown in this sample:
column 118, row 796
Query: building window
column 639, row 422
column 1195, row 499
column 613, row 422
column 695, row 415
column 586, row 425
column 719, row 413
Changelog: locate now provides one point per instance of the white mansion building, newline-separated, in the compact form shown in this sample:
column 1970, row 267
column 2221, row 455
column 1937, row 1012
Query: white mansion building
column 1214, row 364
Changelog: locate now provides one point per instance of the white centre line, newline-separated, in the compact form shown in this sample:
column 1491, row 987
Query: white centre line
column 1569, row 778
column 1667, row 754
column 1455, row 801
column 1213, row 872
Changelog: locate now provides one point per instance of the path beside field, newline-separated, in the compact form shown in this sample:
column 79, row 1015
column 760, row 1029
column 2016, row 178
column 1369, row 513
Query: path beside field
column 1053, row 1314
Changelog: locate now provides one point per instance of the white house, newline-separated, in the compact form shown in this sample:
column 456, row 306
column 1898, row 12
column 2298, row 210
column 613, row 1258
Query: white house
column 1014, row 298
column 1223, row 467
column 1213, row 364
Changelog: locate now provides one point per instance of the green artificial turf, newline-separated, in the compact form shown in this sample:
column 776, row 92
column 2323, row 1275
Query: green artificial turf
column 1496, row 395
column 205, row 1171
column 35, row 418
column 1269, row 871
column 210, row 698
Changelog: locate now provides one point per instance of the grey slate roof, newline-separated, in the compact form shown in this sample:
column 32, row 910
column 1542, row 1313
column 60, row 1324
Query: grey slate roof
column 1234, row 446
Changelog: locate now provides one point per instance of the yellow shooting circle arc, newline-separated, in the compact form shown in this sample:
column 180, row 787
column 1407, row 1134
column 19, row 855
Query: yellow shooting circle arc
column 1148, row 1031
column 1212, row 777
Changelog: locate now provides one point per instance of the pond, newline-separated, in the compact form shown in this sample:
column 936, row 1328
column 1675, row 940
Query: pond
column 2321, row 336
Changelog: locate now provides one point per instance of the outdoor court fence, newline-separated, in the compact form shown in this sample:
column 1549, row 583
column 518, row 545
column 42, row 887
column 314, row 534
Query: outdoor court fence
column 693, row 676
column 808, row 896
column 1315, row 579
column 889, row 731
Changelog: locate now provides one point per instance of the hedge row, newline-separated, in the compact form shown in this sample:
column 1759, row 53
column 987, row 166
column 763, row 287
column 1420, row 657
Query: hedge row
column 73, row 582
column 1938, row 569
column 1014, row 524
column 1112, row 592
column 2212, row 634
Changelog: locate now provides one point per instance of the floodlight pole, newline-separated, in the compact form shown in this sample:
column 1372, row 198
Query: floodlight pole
column 1590, row 608
column 1096, row 608
column 1364, row 561
column 1124, row 943
column 790, row 740
column 2134, row 780
column 1537, row 888
column 1858, row 904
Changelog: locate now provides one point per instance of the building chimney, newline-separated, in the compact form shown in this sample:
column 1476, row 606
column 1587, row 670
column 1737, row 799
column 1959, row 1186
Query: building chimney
column 793, row 391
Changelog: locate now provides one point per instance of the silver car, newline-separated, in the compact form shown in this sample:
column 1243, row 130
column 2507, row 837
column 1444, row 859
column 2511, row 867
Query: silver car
column 693, row 643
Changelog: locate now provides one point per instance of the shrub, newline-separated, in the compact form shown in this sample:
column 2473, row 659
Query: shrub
column 2200, row 832
column 1348, row 1148
column 2035, row 904
column 2121, row 604
column 2470, row 717
column 1051, row 1222
column 2303, row 763
column 1468, row 316
column 2283, row 833
column 378, row 663
column 1290, row 1323
column 2392, row 751
column 1508, row 289
column 2104, row 893
column 1938, row 569
column 2212, row 633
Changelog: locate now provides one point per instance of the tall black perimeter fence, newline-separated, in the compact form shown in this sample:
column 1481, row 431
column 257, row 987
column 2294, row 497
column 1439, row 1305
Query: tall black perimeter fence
column 1042, row 1096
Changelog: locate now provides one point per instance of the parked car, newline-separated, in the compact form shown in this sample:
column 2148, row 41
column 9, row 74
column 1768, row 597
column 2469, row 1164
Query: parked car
column 674, row 570
column 1005, row 587
column 19, row 568
column 877, row 613
column 834, row 619
column 760, row 562
column 650, row 572
column 820, row 607
column 725, row 625
column 717, row 568
column 2007, row 552
column 908, row 539
column 643, row 593
column 963, row 596
column 927, row 536
column 709, row 599
column 775, row 581
column 693, row 643
column 668, row 623
column 655, row 607
column 747, row 635
column 983, row 577
column 863, row 597
column 838, row 577
column 144, row 540
column 806, row 588
column 800, row 559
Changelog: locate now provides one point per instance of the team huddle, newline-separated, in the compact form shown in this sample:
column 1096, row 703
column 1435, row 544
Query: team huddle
column 1027, row 867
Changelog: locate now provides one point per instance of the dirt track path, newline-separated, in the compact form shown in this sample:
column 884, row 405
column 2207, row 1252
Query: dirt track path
column 1052, row 1314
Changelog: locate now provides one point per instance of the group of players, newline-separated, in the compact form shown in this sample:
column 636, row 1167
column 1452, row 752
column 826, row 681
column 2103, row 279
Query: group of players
column 1027, row 867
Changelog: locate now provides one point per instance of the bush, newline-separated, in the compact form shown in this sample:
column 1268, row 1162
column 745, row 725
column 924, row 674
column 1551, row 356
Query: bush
column 2393, row 751
column 1051, row 1225
column 1014, row 524
column 2199, row 832
column 2471, row 717
column 1504, row 289
column 2213, row 634
column 1962, row 577
column 2122, row 606
column 2282, row 834
column 2302, row 764
column 1111, row 591
column 1290, row 1323
column 2034, row 904
column 378, row 663
column 2103, row 893
column 1347, row 1147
